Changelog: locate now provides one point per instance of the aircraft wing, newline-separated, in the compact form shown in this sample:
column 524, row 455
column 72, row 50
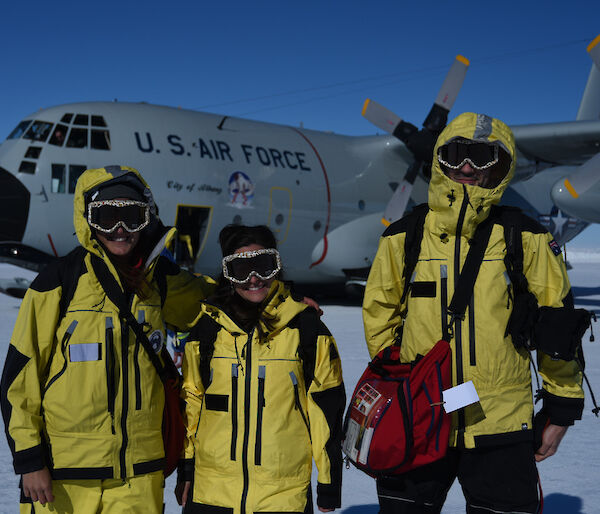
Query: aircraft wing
column 567, row 143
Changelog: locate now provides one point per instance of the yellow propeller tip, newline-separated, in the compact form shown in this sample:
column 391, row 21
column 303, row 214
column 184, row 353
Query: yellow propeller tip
column 365, row 105
column 571, row 189
column 463, row 59
column 385, row 222
column 593, row 43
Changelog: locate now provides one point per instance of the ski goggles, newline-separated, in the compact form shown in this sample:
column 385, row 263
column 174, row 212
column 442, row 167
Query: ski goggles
column 108, row 215
column 456, row 154
column 264, row 264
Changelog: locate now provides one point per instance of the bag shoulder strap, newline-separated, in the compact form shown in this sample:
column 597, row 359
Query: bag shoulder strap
column 510, row 218
column 205, row 332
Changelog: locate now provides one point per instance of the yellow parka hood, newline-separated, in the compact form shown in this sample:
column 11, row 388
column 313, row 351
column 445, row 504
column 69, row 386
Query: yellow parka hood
column 445, row 195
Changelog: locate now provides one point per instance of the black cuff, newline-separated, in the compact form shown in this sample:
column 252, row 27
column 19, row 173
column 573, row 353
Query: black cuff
column 29, row 460
column 185, row 470
column 562, row 411
column 329, row 496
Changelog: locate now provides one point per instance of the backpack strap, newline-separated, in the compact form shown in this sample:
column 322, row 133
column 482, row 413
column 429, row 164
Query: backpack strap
column 205, row 331
column 70, row 270
column 412, row 244
column 309, row 327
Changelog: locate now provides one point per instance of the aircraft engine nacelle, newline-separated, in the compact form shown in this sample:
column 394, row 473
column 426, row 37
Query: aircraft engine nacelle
column 578, row 194
column 350, row 247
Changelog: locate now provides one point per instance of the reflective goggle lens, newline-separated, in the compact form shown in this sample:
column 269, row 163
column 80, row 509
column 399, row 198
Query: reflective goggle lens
column 108, row 215
column 479, row 155
column 240, row 267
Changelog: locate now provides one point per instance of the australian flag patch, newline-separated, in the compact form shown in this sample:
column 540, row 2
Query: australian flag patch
column 555, row 247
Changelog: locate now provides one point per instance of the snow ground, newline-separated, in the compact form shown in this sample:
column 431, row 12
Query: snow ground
column 569, row 479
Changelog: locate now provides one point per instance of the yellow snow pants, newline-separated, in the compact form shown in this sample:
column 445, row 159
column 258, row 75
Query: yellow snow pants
column 138, row 495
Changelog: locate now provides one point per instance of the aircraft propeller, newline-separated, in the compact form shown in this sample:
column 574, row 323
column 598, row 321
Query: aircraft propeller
column 419, row 142
column 566, row 191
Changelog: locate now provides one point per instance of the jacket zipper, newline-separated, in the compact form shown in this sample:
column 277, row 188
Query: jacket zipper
column 298, row 405
column 444, row 298
column 110, row 372
column 458, row 322
column 136, row 365
column 259, row 414
column 63, row 348
column 234, row 409
column 247, row 386
column 124, row 369
column 472, row 331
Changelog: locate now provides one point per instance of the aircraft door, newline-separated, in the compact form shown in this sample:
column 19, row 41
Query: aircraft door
column 280, row 212
column 193, row 223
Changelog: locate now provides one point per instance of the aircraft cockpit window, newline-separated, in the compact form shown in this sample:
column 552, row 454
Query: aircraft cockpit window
column 20, row 130
column 81, row 119
column 77, row 138
column 67, row 117
column 100, row 139
column 98, row 121
column 59, row 135
column 75, row 170
column 27, row 167
column 33, row 152
column 59, row 178
column 39, row 131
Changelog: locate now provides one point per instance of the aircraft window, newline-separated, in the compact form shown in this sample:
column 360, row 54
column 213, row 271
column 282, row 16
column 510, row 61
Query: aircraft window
column 59, row 178
column 98, row 121
column 75, row 170
column 100, row 139
column 33, row 152
column 59, row 135
column 81, row 119
column 27, row 167
column 66, row 118
column 20, row 130
column 77, row 138
column 38, row 131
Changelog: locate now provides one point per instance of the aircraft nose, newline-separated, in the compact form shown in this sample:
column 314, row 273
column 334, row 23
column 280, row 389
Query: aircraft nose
column 14, row 207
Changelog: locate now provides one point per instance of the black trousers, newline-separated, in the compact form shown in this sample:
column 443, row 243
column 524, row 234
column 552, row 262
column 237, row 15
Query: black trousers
column 499, row 479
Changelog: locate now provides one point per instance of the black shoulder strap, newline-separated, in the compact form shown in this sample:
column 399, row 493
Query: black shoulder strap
column 468, row 275
column 412, row 244
column 513, row 260
column 205, row 331
column 117, row 296
column 69, row 276
column 307, row 349
column 160, row 275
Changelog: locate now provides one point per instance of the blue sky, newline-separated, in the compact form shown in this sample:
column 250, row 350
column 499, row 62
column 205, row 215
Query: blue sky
column 309, row 62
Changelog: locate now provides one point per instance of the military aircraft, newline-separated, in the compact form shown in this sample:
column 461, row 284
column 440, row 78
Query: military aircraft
column 323, row 194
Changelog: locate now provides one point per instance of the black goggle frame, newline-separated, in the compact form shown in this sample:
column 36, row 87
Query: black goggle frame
column 143, row 223
column 228, row 274
column 477, row 153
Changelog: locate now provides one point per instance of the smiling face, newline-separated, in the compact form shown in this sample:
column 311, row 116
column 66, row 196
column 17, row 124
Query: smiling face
column 256, row 289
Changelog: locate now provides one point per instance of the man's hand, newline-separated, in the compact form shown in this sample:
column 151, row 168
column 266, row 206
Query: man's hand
column 312, row 303
column 551, row 438
column 178, row 358
column 37, row 485
column 323, row 509
column 182, row 490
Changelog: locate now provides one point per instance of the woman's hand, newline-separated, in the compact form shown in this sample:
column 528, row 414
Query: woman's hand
column 37, row 485
column 551, row 438
column 182, row 490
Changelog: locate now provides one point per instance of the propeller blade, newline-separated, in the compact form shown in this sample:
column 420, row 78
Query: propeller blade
column 438, row 116
column 380, row 116
column 594, row 51
column 399, row 200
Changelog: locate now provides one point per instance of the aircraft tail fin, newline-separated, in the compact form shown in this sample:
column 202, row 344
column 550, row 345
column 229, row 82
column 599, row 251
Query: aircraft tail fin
column 589, row 108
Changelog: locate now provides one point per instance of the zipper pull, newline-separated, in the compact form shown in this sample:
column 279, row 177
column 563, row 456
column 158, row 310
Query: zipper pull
column 347, row 462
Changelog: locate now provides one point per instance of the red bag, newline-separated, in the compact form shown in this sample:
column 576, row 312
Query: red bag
column 395, row 421
column 173, row 427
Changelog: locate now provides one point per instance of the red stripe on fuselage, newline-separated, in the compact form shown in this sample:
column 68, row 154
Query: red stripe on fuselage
column 325, row 245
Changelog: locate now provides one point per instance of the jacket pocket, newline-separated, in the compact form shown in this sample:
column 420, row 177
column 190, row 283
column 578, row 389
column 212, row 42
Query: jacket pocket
column 110, row 371
column 234, row 409
column 259, row 414
column 297, row 404
column 63, row 348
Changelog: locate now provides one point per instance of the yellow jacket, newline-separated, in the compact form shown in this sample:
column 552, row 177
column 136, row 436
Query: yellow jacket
column 254, row 431
column 481, row 351
column 79, row 394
